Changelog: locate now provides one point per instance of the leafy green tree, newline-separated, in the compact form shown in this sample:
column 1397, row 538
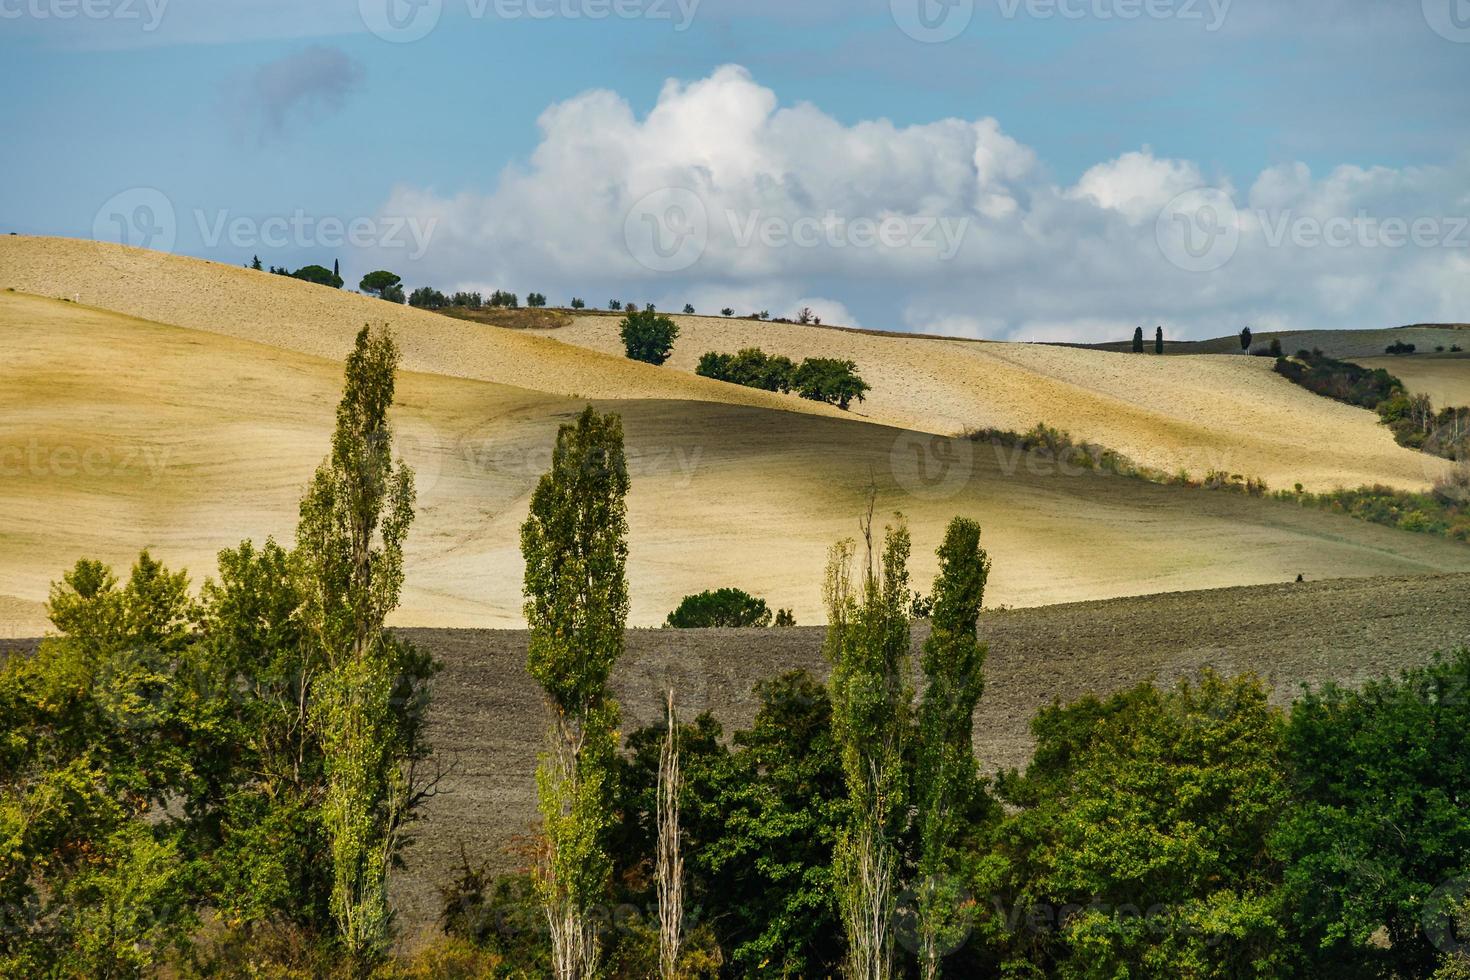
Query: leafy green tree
column 1159, row 340
column 428, row 298
column 1245, row 339
column 647, row 336
column 257, row 767
column 722, row 608
column 760, row 820
column 945, row 780
column 320, row 275
column 727, row 311
column 535, row 300
column 830, row 380
column 1138, row 340
column 354, row 518
column 255, row 263
column 1136, row 842
column 1382, row 775
column 578, row 304
column 688, row 309
column 867, row 645
column 576, row 552
column 90, row 743
column 378, row 283
column 614, row 305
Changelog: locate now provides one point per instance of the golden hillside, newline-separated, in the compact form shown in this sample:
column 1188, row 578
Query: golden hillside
column 118, row 433
column 1197, row 413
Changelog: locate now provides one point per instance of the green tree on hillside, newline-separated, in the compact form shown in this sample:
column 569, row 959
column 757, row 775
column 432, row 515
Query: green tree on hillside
column 1245, row 339
column 1159, row 340
column 382, row 284
column 945, row 780
column 576, row 552
column 867, row 645
column 830, row 380
column 354, row 518
column 320, row 275
column 722, row 608
column 1138, row 340
column 648, row 336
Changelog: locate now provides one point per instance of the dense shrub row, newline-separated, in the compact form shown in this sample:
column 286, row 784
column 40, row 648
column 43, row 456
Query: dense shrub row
column 1444, row 511
column 1412, row 418
column 824, row 379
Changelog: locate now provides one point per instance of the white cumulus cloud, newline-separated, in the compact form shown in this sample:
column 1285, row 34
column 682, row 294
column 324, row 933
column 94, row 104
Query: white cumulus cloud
column 720, row 195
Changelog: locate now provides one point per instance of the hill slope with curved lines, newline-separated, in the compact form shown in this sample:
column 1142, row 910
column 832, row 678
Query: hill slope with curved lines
column 1195, row 413
column 1445, row 378
column 118, row 433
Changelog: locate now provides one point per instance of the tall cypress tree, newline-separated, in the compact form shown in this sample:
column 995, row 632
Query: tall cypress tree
column 867, row 645
column 576, row 551
column 1138, row 340
column 945, row 782
column 1159, row 340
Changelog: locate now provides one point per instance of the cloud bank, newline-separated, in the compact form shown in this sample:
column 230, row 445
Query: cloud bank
column 721, row 196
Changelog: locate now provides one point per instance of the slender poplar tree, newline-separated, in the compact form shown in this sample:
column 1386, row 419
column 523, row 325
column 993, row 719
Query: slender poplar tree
column 669, row 870
column 945, row 778
column 354, row 518
column 867, row 645
column 576, row 551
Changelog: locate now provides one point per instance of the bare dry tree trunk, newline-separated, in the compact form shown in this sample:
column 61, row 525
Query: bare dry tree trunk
column 670, row 871
column 868, row 909
column 574, row 945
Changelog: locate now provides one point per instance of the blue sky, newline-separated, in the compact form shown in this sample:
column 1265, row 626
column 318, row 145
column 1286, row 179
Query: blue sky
column 269, row 108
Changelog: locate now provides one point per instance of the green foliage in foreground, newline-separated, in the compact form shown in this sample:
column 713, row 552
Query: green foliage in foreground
column 182, row 779
column 720, row 609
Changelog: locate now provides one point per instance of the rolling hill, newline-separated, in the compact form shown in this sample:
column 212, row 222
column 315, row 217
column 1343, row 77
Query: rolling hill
column 188, row 433
column 1226, row 413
